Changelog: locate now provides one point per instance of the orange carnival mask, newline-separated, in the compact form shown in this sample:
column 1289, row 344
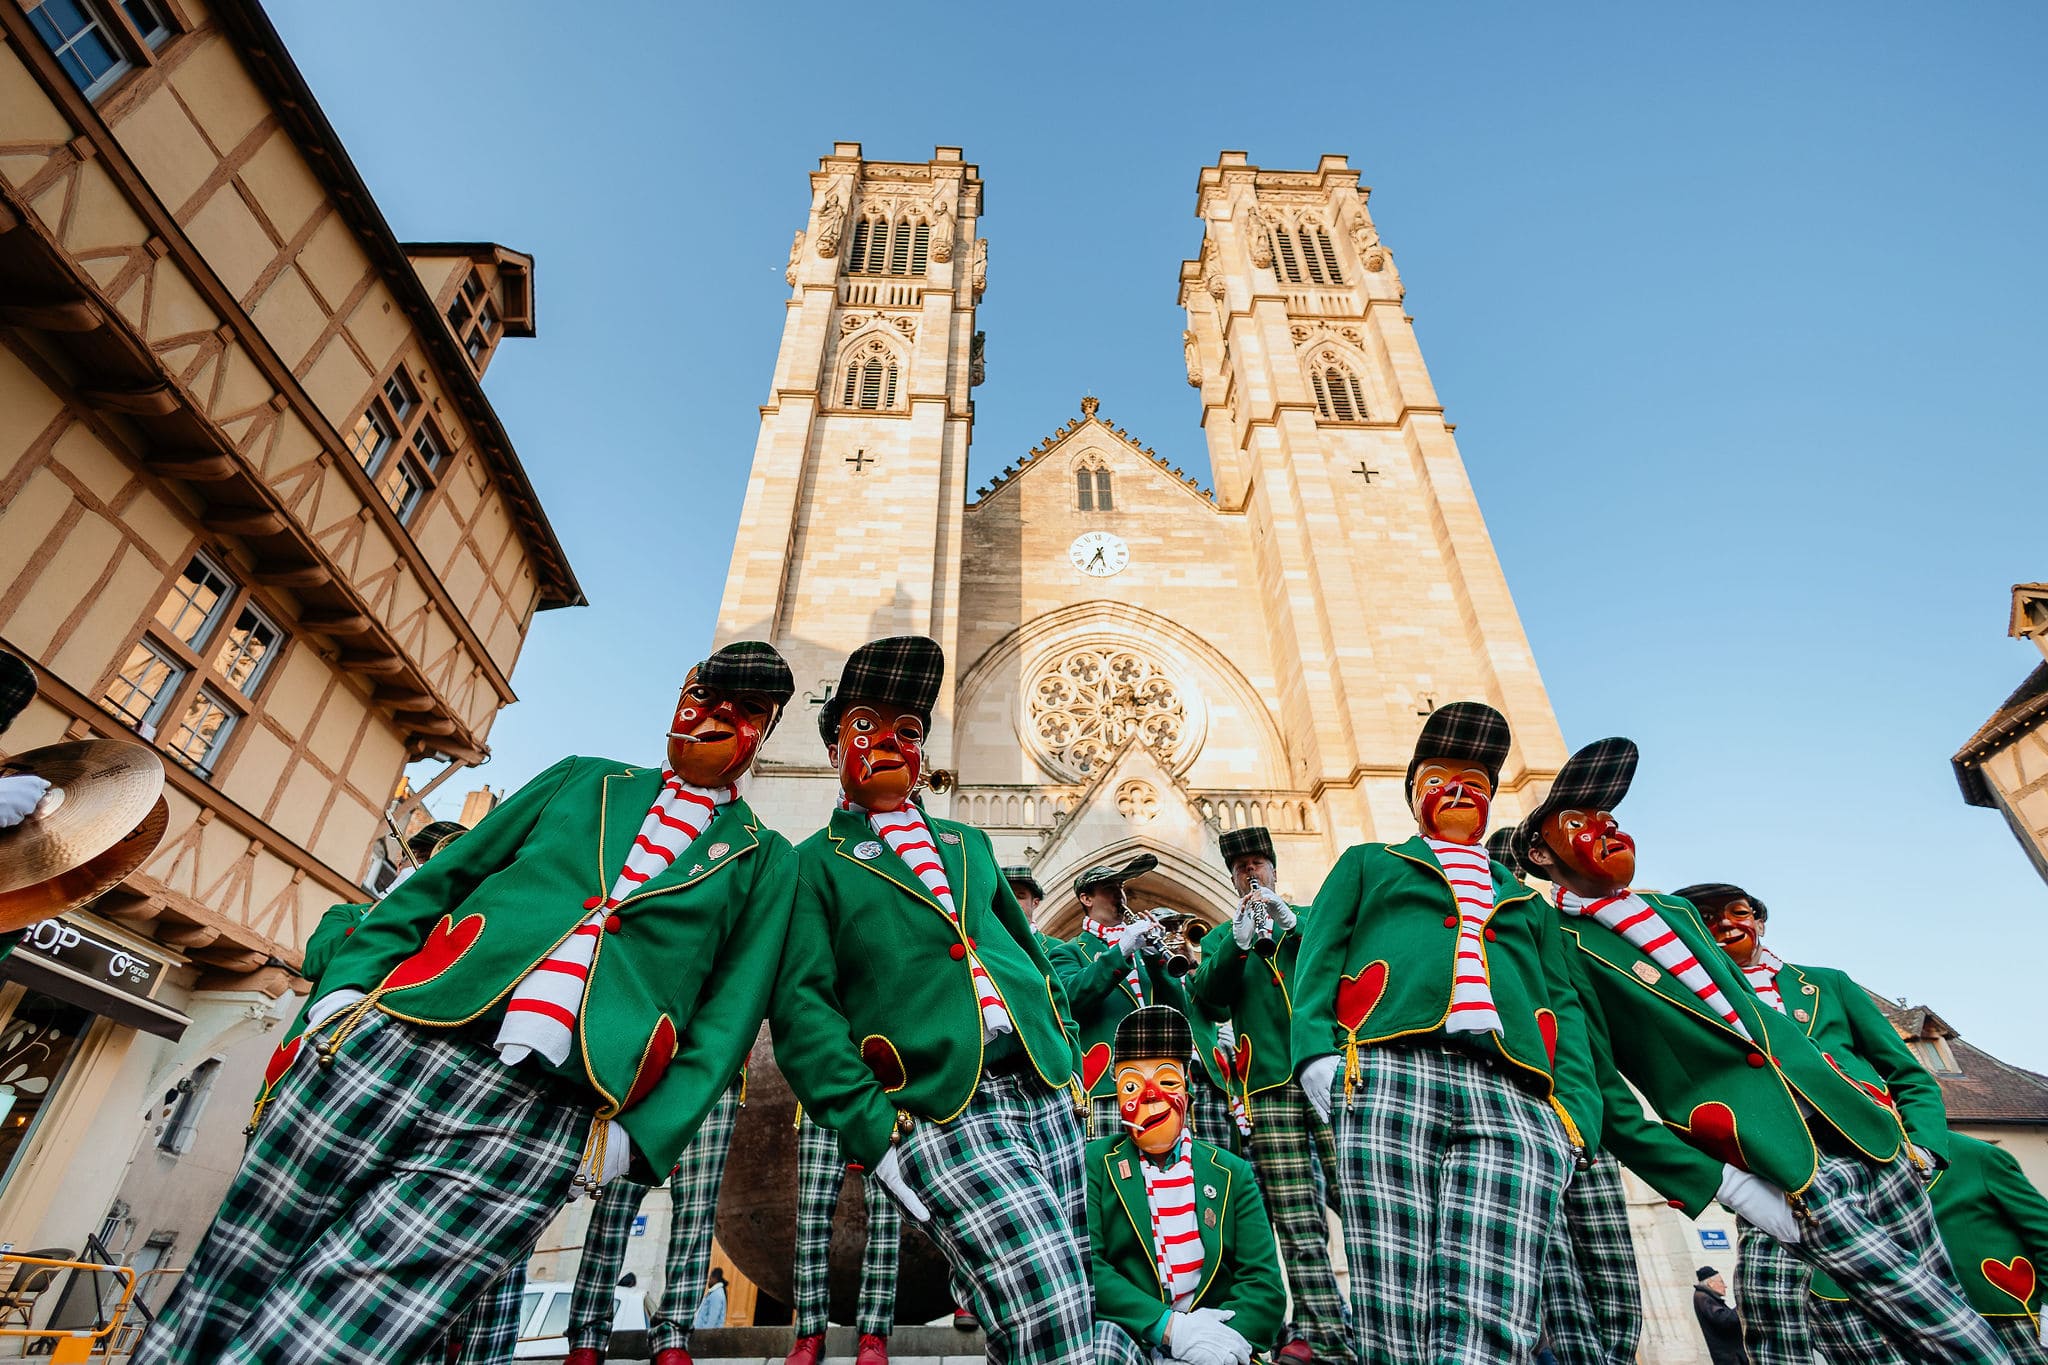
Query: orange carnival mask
column 714, row 736
column 1592, row 844
column 1152, row 1101
column 1451, row 800
column 880, row 754
column 1736, row 928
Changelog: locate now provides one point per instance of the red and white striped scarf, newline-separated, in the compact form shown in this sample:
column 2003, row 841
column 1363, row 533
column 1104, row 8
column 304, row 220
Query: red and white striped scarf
column 1636, row 920
column 1176, row 1235
column 541, row 1015
column 1763, row 977
column 1108, row 935
column 907, row 835
column 1470, row 873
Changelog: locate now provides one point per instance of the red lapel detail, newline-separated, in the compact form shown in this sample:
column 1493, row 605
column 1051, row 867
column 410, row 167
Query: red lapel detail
column 1244, row 1057
column 1093, row 1063
column 880, row 1055
column 1712, row 1130
column 281, row 1061
column 1358, row 995
column 1546, row 1024
column 1224, row 1063
column 1876, row 1092
column 2015, row 1277
column 443, row 949
column 654, row 1061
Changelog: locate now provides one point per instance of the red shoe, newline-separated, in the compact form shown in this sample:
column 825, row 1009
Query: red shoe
column 584, row 1355
column 964, row 1319
column 673, row 1355
column 806, row 1350
column 1296, row 1351
column 874, row 1350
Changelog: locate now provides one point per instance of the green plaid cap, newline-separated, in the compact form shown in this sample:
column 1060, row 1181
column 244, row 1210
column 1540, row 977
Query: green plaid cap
column 426, row 841
column 1153, row 1032
column 1500, row 846
column 1021, row 876
column 1597, row 777
column 1110, row 872
column 1243, row 843
column 1713, row 895
column 902, row 670
column 748, row 666
column 17, row 687
column 1465, row 731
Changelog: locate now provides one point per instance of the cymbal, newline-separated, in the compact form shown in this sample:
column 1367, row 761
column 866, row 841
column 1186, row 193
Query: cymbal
column 88, row 882
column 101, row 790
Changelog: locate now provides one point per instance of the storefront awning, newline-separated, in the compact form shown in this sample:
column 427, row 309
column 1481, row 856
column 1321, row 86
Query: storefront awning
column 64, row 962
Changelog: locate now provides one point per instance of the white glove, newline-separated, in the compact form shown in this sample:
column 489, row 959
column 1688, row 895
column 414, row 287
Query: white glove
column 1132, row 936
column 18, row 796
column 1763, row 1204
column 1318, row 1078
column 1205, row 1337
column 889, row 1170
column 1245, row 928
column 2041, row 1329
column 1226, row 1036
column 1284, row 917
column 618, row 1159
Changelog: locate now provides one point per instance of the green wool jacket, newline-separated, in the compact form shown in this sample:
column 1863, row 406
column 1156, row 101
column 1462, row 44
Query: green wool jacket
column 1096, row 978
column 1240, row 1262
column 875, row 1009
column 1721, row 1097
column 1855, row 1038
column 1377, row 957
column 679, row 986
column 325, row 941
column 1255, row 993
column 1994, row 1224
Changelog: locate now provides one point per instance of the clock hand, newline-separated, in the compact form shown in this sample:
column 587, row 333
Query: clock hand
column 1098, row 557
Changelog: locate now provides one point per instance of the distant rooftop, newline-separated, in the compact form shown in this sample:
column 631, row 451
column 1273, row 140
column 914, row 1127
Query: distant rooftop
column 1976, row 1086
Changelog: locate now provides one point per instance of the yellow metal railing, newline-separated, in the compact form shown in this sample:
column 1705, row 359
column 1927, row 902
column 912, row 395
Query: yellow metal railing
column 73, row 1343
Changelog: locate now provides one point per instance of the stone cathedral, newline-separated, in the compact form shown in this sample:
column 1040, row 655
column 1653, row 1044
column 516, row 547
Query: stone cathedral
column 1136, row 662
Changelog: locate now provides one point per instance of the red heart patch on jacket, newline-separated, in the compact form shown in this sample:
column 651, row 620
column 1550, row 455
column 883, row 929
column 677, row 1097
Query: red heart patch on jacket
column 1876, row 1092
column 1093, row 1063
column 1712, row 1130
column 1357, row 995
column 1244, row 1057
column 2016, row 1277
column 444, row 947
column 654, row 1061
column 1546, row 1024
column 1224, row 1063
column 281, row 1061
column 880, row 1055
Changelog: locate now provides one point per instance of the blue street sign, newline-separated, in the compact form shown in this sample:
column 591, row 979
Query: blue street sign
column 640, row 1226
column 1713, row 1239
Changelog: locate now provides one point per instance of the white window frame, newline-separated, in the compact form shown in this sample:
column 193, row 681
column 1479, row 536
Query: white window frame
column 146, row 724
column 226, row 673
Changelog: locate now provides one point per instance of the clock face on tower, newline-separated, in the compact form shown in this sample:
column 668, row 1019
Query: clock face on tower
column 1099, row 554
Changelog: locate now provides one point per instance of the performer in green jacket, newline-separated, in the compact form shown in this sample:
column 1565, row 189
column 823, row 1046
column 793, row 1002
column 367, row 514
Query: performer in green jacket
column 1853, row 1036
column 1434, row 998
column 1752, row 1114
column 1994, row 1224
column 1247, row 973
column 557, row 998
column 917, row 1018
column 1184, row 1266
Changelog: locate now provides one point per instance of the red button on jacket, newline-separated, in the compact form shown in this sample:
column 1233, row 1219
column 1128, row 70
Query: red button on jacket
column 1450, row 921
column 593, row 902
column 1489, row 933
column 958, row 950
column 611, row 924
column 1755, row 1059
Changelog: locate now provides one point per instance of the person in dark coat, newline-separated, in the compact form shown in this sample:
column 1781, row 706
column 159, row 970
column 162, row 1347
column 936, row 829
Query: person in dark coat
column 1718, row 1322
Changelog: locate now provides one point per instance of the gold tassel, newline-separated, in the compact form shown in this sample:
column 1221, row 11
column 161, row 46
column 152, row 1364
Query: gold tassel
column 350, row 1017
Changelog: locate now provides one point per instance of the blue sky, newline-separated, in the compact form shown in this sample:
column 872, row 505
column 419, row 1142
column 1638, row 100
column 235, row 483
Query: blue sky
column 1737, row 309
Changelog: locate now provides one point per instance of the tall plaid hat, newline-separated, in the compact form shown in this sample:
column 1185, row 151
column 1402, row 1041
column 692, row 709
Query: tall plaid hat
column 1713, row 895
column 17, row 687
column 748, row 666
column 1153, row 1032
column 1109, row 872
column 1594, row 778
column 1468, row 731
column 1247, row 842
column 428, row 840
column 1021, row 876
column 902, row 670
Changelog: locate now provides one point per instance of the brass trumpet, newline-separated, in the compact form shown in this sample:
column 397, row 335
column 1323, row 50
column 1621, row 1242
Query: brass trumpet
column 1168, row 946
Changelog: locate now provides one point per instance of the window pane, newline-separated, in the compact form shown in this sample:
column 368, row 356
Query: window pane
column 79, row 40
column 36, row 1049
column 245, row 651
column 144, row 685
column 399, row 392
column 197, row 740
column 399, row 485
column 149, row 20
column 1102, row 502
column 427, row 446
column 372, row 436
column 189, row 609
column 475, row 345
column 556, row 1323
column 1087, row 489
column 473, row 287
column 487, row 318
column 871, row 384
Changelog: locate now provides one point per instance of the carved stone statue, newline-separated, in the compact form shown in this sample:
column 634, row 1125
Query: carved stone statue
column 1259, row 229
column 978, row 270
column 796, row 253
column 942, row 231
column 1212, row 274
column 831, row 219
column 977, row 359
column 1187, row 350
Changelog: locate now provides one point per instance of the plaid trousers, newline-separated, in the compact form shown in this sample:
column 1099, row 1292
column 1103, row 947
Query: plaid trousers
column 1287, row 1144
column 1209, row 1113
column 1843, row 1336
column 693, row 1217
column 382, row 1194
column 489, row 1332
column 1115, row 1346
column 1871, row 1229
column 1592, row 1294
column 820, row 1169
column 2021, row 1340
column 1450, row 1179
column 1009, row 1213
column 1771, row 1298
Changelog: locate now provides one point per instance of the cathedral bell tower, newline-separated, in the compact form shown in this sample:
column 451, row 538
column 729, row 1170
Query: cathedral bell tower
column 852, row 520
column 1378, row 582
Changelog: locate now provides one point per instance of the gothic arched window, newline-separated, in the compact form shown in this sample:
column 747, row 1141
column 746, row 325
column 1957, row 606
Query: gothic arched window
column 1091, row 485
column 880, row 247
column 1339, row 395
column 1305, row 255
column 870, row 378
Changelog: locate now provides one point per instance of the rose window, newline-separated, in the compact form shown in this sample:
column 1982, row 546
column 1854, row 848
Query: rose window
column 1086, row 704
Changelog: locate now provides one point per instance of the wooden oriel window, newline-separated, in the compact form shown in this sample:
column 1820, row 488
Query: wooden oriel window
column 396, row 443
column 474, row 318
column 97, row 42
column 188, row 678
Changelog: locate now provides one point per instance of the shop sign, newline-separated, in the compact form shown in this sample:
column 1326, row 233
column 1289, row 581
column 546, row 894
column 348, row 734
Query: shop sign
column 108, row 964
